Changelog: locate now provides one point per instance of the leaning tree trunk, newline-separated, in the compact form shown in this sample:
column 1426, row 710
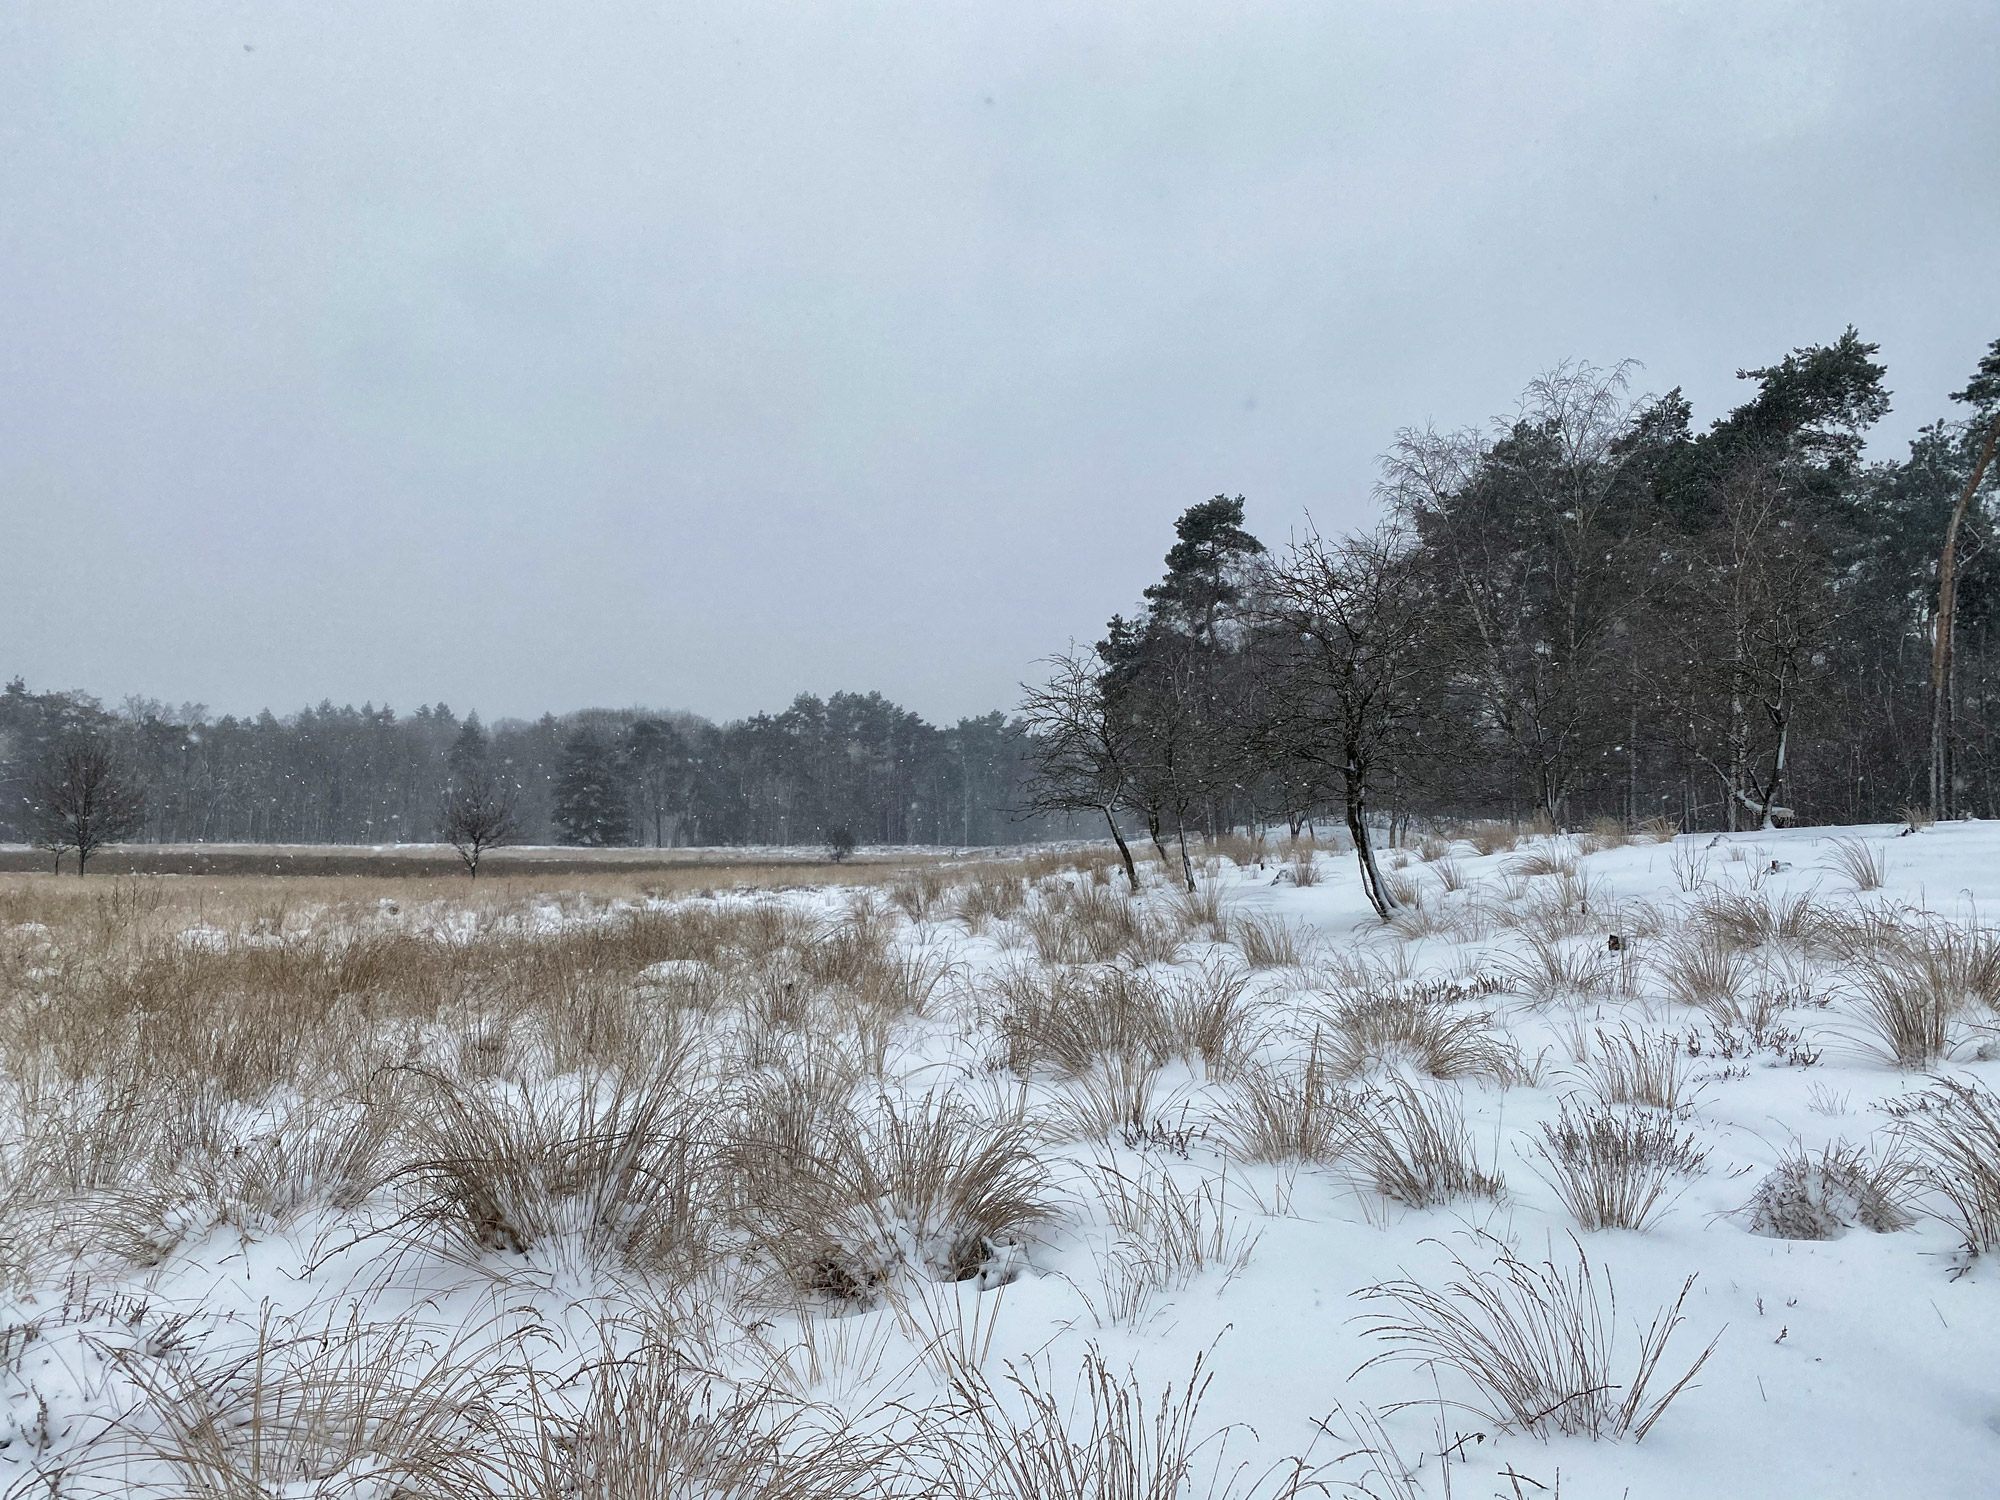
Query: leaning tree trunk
column 1124, row 852
column 1947, row 622
column 1372, row 884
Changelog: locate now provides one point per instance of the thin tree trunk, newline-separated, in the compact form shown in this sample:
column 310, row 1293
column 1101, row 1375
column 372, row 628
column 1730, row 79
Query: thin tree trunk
column 1364, row 853
column 1947, row 621
column 1124, row 852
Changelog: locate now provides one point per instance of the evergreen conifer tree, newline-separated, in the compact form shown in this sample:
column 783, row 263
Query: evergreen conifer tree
column 593, row 807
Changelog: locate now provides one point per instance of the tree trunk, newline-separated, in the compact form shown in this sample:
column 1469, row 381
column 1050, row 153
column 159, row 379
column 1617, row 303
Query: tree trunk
column 1378, row 895
column 1124, row 852
column 1187, row 865
column 1947, row 621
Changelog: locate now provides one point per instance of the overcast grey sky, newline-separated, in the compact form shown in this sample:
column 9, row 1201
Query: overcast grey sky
column 543, row 355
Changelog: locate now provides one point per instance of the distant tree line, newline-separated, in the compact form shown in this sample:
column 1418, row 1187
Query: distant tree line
column 1590, row 609
column 852, row 763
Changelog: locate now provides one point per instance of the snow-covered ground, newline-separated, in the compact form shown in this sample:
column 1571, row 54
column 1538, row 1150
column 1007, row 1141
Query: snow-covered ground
column 418, row 1210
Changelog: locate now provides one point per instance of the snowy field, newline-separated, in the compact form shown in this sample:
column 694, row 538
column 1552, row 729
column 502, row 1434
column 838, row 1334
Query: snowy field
column 992, row 1182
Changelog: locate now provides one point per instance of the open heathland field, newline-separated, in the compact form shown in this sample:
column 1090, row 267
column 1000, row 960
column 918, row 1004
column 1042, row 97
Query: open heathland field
column 1612, row 1165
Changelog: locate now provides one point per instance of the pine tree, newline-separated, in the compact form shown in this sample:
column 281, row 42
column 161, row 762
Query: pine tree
column 593, row 807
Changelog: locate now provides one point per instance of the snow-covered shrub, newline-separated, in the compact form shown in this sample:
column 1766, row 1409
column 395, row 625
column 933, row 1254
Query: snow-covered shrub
column 1615, row 1169
column 1818, row 1197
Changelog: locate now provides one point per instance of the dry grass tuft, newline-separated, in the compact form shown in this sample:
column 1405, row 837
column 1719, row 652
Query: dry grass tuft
column 1164, row 1236
column 1953, row 1131
column 1412, row 1146
column 1614, row 1169
column 1549, row 858
column 1408, row 1028
column 844, row 1199
column 1808, row 1197
column 1749, row 919
column 1538, row 1342
column 654, row 1427
column 620, row 1168
column 1288, row 1114
column 333, row 1409
column 1909, row 1004
column 1867, row 868
column 1106, row 1443
column 1698, row 970
column 1269, row 942
column 1557, row 970
column 1634, row 1068
column 1069, row 1018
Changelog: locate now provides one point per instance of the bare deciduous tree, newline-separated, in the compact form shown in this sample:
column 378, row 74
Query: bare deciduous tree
column 478, row 815
column 83, row 800
column 1079, row 761
column 1352, row 683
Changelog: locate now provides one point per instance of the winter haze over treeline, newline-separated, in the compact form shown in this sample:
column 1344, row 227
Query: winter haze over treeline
column 533, row 358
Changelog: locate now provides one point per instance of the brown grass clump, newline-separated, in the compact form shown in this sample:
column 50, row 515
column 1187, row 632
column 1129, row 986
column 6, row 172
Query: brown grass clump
column 1289, row 1114
column 1268, row 942
column 1549, row 858
column 1068, row 1018
column 845, row 1199
column 1695, row 969
column 623, row 1169
column 1615, row 1169
column 1909, row 1006
column 1107, row 1442
column 1952, row 1130
column 1867, row 868
column 1164, row 1236
column 653, row 1426
column 1634, row 1068
column 1412, row 1146
column 1817, row 1197
column 1539, row 1343
column 1556, row 969
column 1405, row 1028
column 335, row 1409
column 1493, row 838
column 1754, row 919
column 1092, row 924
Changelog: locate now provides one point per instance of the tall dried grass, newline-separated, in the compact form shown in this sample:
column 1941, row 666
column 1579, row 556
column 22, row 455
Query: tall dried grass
column 1953, row 1131
column 1538, row 1343
column 1615, row 1169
